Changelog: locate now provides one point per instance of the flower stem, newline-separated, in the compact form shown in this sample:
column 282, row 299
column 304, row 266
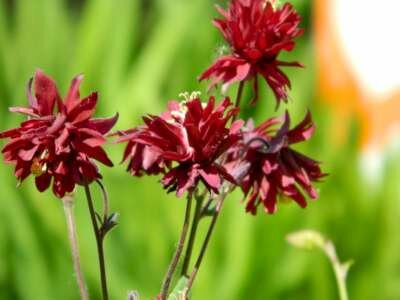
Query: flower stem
column 99, row 242
column 340, row 282
column 106, row 204
column 192, row 235
column 239, row 93
column 68, row 202
column 203, row 249
column 311, row 239
column 178, row 252
column 340, row 269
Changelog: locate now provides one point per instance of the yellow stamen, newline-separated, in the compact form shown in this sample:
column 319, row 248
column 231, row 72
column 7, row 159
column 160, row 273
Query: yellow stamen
column 38, row 167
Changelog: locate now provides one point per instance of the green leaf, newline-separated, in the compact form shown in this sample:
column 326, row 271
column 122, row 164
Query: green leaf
column 179, row 290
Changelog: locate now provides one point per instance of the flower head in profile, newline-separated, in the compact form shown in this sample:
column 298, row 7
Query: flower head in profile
column 273, row 168
column 143, row 158
column 60, row 139
column 256, row 32
column 185, row 143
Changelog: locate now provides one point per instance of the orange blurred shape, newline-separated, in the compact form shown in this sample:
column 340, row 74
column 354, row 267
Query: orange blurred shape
column 340, row 87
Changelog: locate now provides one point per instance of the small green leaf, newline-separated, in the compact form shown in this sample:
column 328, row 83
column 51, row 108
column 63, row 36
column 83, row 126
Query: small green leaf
column 180, row 289
column 110, row 223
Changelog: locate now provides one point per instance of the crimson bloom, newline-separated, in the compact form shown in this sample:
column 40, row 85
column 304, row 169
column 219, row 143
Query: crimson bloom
column 143, row 158
column 185, row 143
column 273, row 169
column 59, row 140
column 256, row 32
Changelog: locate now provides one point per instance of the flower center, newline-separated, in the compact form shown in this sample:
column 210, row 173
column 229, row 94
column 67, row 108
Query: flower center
column 39, row 166
column 187, row 97
column 180, row 113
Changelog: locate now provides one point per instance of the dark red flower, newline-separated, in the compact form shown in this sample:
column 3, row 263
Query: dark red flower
column 256, row 32
column 59, row 140
column 185, row 143
column 272, row 168
column 143, row 159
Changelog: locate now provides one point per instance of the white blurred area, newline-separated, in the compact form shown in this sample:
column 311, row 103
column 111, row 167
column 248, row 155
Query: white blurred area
column 358, row 51
column 370, row 35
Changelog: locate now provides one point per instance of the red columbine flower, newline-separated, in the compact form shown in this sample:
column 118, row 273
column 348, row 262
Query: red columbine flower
column 185, row 143
column 256, row 32
column 273, row 169
column 58, row 145
column 144, row 159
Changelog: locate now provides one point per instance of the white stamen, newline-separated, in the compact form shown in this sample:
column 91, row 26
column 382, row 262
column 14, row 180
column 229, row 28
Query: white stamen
column 187, row 97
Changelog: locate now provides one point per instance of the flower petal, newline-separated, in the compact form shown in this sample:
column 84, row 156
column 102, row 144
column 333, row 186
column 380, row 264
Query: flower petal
column 84, row 109
column 43, row 182
column 73, row 96
column 46, row 93
column 103, row 125
column 211, row 178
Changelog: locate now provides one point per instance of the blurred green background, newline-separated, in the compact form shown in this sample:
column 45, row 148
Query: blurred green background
column 139, row 54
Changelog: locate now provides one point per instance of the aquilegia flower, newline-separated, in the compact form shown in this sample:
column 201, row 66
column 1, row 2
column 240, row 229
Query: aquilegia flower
column 59, row 140
column 185, row 143
column 145, row 159
column 256, row 32
column 273, row 169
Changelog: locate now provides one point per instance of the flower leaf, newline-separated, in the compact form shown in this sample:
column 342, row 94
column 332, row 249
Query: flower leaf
column 179, row 292
column 110, row 223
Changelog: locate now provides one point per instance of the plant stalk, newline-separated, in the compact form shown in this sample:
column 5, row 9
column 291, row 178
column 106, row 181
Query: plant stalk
column 203, row 249
column 99, row 243
column 106, row 202
column 239, row 93
column 339, row 269
column 68, row 203
column 178, row 252
column 341, row 283
column 192, row 235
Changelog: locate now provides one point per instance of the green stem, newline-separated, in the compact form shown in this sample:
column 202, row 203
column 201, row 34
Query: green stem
column 203, row 249
column 239, row 93
column 341, row 283
column 106, row 202
column 192, row 235
column 206, row 207
column 99, row 243
column 339, row 269
column 68, row 202
column 178, row 252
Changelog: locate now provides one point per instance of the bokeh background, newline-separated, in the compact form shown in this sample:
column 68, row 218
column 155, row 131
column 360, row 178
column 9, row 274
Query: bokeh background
column 140, row 53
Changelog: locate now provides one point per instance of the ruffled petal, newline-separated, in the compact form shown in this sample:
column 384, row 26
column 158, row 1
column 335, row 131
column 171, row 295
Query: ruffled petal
column 46, row 93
